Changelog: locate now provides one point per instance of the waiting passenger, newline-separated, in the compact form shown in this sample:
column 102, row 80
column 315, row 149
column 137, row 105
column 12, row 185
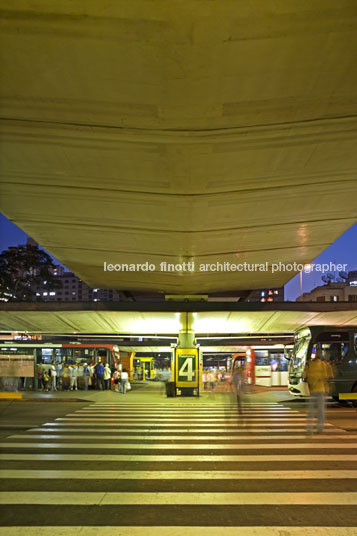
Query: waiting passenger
column 53, row 377
column 99, row 372
column 85, row 376
column 124, row 380
column 60, row 372
column 72, row 373
column 116, row 377
column 45, row 380
column 107, row 376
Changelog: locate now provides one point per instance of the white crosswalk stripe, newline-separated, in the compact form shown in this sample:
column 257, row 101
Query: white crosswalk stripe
column 136, row 463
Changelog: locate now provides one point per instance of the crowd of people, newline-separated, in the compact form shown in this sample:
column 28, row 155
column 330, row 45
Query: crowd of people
column 210, row 378
column 72, row 376
column 101, row 376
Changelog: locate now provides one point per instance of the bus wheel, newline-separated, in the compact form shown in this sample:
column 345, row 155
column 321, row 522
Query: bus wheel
column 354, row 390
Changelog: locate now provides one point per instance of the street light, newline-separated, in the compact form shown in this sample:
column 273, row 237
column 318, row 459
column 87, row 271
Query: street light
column 307, row 268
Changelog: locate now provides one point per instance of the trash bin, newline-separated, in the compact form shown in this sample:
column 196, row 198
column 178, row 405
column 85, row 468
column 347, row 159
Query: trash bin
column 170, row 389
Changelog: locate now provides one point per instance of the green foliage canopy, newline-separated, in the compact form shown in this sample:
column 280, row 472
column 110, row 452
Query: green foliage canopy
column 22, row 269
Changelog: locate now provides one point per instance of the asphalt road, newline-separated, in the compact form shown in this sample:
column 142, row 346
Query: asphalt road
column 184, row 466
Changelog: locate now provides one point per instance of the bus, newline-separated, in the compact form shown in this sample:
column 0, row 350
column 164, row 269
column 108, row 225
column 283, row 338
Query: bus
column 337, row 345
column 21, row 360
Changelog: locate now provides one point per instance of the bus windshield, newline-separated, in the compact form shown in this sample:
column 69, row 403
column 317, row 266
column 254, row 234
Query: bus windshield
column 300, row 351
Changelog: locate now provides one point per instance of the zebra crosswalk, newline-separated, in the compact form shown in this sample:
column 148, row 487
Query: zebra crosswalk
column 179, row 468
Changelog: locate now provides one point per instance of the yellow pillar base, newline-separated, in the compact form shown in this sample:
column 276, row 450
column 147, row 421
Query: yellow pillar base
column 10, row 395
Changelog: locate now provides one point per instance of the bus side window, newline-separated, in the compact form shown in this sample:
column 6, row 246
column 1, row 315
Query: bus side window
column 334, row 352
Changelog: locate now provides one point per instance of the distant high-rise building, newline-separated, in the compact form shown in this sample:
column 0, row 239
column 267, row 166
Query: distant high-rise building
column 74, row 289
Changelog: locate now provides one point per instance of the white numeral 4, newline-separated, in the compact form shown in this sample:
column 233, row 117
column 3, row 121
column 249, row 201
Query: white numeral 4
column 186, row 369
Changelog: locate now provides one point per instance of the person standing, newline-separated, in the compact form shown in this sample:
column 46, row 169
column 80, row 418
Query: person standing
column 116, row 377
column 60, row 372
column 72, row 372
column 204, row 379
column 45, row 379
column 317, row 374
column 92, row 376
column 107, row 376
column 124, row 380
column 85, row 376
column 99, row 372
column 211, row 377
column 53, row 377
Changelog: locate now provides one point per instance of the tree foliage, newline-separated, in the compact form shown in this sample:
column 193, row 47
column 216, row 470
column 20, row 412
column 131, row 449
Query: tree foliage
column 22, row 269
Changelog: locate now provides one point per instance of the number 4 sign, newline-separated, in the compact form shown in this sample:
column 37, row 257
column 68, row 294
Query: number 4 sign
column 187, row 368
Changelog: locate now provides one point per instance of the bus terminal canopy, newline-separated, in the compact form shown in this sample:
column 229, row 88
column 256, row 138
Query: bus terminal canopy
column 178, row 131
column 125, row 318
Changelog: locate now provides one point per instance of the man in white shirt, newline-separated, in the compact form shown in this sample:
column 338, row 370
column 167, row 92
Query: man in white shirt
column 72, row 372
column 53, row 377
column 124, row 380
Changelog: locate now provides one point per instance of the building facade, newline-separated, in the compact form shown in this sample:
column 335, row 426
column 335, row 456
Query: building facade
column 334, row 291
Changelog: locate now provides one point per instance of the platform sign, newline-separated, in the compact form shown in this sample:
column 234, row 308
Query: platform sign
column 187, row 370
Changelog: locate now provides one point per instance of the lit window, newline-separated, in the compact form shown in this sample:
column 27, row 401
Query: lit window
column 270, row 299
column 276, row 292
column 45, row 294
column 95, row 299
column 262, row 293
column 95, row 289
column 52, row 294
column 270, row 292
column 38, row 293
column 73, row 292
column 263, row 300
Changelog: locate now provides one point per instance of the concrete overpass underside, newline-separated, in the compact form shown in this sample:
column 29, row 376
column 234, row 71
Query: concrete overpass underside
column 178, row 131
column 154, row 319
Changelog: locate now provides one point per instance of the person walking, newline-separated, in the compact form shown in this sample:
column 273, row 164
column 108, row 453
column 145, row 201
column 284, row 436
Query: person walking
column 107, row 376
column 124, row 380
column 317, row 373
column 99, row 372
column 237, row 383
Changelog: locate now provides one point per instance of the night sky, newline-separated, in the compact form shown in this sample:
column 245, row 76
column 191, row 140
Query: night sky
column 343, row 251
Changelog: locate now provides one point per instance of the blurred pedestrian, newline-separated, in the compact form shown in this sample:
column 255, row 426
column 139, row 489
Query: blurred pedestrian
column 40, row 377
column 204, row 379
column 211, row 377
column 317, row 373
column 238, row 385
